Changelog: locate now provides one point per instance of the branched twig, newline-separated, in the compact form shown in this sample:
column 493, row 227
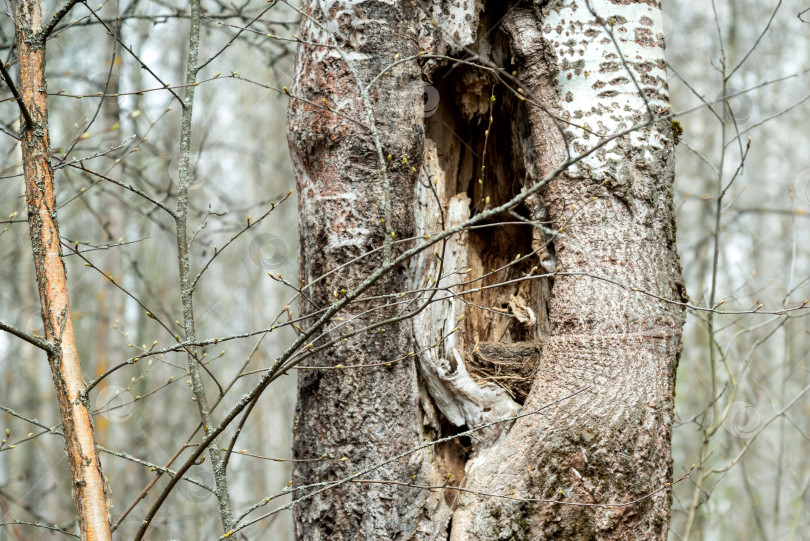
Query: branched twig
column 184, row 266
column 58, row 16
column 14, row 92
column 236, row 36
column 248, row 226
column 34, row 340
column 38, row 525
column 609, row 505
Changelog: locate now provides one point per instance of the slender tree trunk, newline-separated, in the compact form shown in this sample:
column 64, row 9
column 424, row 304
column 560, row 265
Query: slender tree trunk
column 597, row 68
column 89, row 488
column 184, row 264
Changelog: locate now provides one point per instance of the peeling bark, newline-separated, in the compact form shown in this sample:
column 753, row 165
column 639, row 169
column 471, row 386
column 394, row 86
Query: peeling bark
column 608, row 216
column 90, row 494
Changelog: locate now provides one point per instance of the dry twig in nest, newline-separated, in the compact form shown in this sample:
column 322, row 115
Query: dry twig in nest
column 511, row 366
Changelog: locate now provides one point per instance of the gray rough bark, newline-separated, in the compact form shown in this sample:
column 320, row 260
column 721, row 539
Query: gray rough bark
column 614, row 210
column 349, row 206
column 611, row 236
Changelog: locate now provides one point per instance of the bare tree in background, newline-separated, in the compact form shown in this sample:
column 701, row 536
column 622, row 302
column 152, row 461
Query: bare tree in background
column 487, row 321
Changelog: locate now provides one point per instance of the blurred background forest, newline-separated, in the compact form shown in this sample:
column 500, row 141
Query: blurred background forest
column 754, row 475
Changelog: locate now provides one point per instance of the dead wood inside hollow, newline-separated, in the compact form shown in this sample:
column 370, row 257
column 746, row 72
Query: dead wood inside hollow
column 479, row 146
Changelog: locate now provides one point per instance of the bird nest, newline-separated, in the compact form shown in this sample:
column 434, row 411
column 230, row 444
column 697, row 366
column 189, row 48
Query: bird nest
column 511, row 366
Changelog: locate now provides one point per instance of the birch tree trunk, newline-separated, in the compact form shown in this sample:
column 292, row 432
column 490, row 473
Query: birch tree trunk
column 88, row 485
column 443, row 143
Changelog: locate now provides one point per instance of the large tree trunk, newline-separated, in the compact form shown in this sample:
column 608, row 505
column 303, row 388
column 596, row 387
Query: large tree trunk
column 349, row 206
column 610, row 241
column 610, row 444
